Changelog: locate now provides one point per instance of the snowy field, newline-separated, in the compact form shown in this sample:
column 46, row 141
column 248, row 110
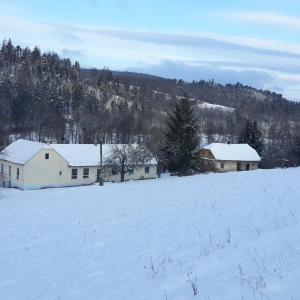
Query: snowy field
column 218, row 236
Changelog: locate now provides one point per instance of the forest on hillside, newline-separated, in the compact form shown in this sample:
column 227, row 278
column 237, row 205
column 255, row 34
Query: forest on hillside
column 45, row 97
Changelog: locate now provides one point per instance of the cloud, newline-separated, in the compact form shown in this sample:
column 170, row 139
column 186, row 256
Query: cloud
column 283, row 66
column 288, row 85
column 207, row 71
column 227, row 59
column 77, row 35
column 264, row 18
column 187, row 40
column 69, row 37
column 72, row 54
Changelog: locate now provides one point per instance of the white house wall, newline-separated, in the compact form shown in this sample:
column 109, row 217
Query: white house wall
column 40, row 172
column 52, row 172
column 230, row 166
column 12, row 180
column 138, row 173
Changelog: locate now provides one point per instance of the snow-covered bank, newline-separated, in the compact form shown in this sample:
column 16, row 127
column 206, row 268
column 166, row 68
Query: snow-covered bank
column 231, row 236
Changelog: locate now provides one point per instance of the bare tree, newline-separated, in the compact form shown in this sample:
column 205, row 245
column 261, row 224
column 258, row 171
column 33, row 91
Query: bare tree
column 157, row 145
column 3, row 136
column 125, row 157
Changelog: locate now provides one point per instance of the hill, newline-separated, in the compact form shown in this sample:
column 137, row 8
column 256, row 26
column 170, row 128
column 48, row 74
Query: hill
column 156, row 239
column 45, row 97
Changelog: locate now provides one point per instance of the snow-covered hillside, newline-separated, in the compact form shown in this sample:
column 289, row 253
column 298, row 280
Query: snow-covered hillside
column 219, row 236
column 206, row 105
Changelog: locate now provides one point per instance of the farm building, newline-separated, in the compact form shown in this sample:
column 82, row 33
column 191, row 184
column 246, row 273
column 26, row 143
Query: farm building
column 218, row 157
column 33, row 165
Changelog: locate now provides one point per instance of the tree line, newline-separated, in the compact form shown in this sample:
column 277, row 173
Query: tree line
column 180, row 141
column 44, row 97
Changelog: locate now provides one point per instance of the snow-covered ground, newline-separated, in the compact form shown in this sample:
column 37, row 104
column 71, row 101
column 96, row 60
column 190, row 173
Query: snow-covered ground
column 231, row 236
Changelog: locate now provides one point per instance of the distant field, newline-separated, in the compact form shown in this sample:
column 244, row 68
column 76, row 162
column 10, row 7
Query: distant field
column 209, row 237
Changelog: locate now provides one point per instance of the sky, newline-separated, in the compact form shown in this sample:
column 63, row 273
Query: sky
column 256, row 42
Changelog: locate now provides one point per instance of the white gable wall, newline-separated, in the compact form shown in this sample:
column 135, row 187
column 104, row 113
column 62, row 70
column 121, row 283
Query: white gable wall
column 53, row 172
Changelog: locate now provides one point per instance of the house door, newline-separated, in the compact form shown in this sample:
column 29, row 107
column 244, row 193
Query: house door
column 239, row 166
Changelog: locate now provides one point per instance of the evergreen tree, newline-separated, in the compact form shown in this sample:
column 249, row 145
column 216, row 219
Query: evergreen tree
column 181, row 137
column 252, row 136
column 295, row 147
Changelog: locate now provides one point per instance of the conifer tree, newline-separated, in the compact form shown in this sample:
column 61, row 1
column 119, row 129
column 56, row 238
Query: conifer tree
column 181, row 137
column 295, row 151
column 252, row 136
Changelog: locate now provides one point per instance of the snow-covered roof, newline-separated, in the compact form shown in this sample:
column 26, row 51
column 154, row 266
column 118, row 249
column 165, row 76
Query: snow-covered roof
column 82, row 154
column 234, row 152
column 21, row 151
column 86, row 154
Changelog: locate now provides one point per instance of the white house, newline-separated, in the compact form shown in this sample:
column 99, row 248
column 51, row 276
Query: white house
column 218, row 157
column 33, row 165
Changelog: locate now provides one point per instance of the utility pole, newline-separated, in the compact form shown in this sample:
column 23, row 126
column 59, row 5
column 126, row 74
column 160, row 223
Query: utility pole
column 100, row 166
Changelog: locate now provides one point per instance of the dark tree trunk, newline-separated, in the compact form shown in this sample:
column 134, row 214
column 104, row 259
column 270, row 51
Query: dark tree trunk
column 122, row 176
column 158, row 170
column 123, row 172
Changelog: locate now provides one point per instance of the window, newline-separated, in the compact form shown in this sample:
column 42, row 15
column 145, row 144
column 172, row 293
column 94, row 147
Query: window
column 147, row 169
column 130, row 171
column 46, row 155
column 86, row 172
column 74, row 173
column 2, row 168
column 18, row 173
column 222, row 165
column 9, row 171
column 60, row 173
